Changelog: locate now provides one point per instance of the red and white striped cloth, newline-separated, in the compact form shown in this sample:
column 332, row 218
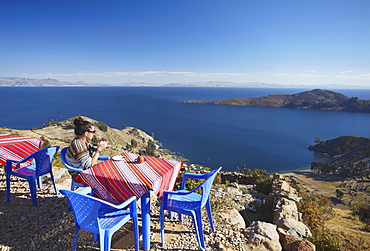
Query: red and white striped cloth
column 116, row 181
column 15, row 147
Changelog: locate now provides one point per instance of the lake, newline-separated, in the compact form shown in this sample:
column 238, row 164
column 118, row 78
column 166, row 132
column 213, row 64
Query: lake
column 275, row 139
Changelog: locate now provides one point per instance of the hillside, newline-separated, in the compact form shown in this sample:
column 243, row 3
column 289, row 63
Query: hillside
column 126, row 139
column 344, row 149
column 317, row 99
column 227, row 194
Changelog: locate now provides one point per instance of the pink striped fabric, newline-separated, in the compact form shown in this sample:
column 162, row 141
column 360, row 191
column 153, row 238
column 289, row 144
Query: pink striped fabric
column 15, row 147
column 116, row 181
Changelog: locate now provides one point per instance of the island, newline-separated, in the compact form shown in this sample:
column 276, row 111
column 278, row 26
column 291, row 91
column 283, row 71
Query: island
column 317, row 99
column 347, row 156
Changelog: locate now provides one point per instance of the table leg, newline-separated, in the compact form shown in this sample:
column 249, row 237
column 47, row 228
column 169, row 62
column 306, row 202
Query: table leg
column 145, row 217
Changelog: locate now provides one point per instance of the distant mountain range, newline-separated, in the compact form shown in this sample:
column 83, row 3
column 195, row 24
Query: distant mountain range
column 19, row 82
column 16, row 81
column 317, row 99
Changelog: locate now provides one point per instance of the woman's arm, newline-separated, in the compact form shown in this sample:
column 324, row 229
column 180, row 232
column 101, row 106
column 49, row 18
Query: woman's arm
column 101, row 146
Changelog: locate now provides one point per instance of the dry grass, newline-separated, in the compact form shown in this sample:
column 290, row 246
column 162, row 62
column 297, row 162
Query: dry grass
column 350, row 229
column 342, row 223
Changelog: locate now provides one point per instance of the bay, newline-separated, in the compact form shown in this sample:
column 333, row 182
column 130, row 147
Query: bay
column 275, row 139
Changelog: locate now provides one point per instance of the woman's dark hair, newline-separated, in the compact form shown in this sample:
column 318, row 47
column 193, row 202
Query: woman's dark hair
column 82, row 126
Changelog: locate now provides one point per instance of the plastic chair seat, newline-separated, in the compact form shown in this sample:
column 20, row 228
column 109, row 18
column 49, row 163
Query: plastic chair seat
column 190, row 201
column 26, row 171
column 108, row 220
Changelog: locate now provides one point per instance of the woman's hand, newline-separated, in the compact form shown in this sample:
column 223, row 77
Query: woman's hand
column 102, row 144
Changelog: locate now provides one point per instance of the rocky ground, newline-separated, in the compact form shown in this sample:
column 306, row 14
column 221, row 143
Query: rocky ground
column 49, row 226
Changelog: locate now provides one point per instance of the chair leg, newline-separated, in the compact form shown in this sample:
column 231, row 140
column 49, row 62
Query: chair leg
column 96, row 237
column 105, row 240
column 8, row 188
column 39, row 182
column 32, row 185
column 52, row 180
column 197, row 220
column 75, row 238
column 209, row 213
column 136, row 230
column 161, row 224
column 72, row 189
column 72, row 185
column 171, row 214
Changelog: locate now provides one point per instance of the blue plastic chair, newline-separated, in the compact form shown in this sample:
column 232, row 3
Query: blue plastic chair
column 63, row 158
column 100, row 217
column 190, row 203
column 41, row 164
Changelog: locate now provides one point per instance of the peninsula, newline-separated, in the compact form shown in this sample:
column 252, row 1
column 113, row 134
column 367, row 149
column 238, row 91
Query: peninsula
column 317, row 99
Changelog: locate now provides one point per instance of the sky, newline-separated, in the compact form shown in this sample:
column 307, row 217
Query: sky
column 284, row 42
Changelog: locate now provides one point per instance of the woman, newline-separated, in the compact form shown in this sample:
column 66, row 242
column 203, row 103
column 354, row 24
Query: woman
column 81, row 154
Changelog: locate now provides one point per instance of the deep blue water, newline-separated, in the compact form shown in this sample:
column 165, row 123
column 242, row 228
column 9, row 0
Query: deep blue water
column 275, row 139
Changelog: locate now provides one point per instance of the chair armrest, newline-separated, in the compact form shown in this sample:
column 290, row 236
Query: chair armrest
column 88, row 191
column 9, row 162
column 74, row 169
column 85, row 191
column 21, row 161
column 131, row 200
column 103, row 158
column 197, row 176
column 178, row 192
column 167, row 194
column 192, row 176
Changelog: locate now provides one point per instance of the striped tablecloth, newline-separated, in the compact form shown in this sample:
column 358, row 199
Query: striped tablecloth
column 116, row 181
column 15, row 147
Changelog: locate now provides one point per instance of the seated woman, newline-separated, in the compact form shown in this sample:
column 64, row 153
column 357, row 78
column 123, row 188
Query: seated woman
column 81, row 153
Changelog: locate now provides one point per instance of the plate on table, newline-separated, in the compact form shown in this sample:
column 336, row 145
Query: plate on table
column 118, row 157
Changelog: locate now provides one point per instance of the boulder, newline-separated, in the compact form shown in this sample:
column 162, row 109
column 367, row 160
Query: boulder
column 294, row 243
column 285, row 208
column 233, row 218
column 294, row 227
column 262, row 236
column 281, row 188
column 234, row 191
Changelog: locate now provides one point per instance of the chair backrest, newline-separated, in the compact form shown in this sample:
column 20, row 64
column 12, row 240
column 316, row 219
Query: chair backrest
column 207, row 185
column 43, row 159
column 65, row 163
column 85, row 209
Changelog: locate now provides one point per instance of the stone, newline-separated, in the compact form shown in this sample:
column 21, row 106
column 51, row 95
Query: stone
column 290, row 224
column 233, row 217
column 285, row 208
column 234, row 191
column 293, row 243
column 263, row 236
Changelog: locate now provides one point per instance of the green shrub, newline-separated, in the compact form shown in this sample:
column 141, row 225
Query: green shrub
column 46, row 142
column 133, row 143
column 102, row 126
column 150, row 148
column 324, row 240
column 135, row 132
column 190, row 183
column 264, row 185
column 264, row 180
column 95, row 140
column 363, row 211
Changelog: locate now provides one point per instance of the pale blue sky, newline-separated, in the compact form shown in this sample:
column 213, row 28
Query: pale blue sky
column 288, row 42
